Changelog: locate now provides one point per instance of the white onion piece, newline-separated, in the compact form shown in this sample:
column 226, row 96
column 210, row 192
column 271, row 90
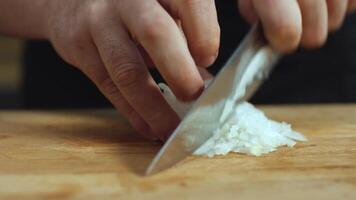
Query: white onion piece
column 248, row 131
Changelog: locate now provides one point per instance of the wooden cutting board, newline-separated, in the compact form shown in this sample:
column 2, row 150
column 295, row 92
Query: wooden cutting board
column 95, row 155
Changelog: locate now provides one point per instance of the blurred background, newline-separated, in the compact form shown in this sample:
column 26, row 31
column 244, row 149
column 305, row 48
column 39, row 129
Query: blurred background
column 10, row 72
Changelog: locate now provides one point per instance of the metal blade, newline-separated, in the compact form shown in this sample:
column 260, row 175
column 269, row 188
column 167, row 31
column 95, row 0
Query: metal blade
column 207, row 113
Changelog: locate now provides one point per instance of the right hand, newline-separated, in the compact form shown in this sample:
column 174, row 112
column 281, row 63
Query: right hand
column 109, row 39
column 290, row 23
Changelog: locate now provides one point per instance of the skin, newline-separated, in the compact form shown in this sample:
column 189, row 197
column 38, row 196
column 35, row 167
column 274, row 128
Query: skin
column 291, row 23
column 113, row 42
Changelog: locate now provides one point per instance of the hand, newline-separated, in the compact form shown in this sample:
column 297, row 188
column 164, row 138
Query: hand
column 289, row 23
column 109, row 39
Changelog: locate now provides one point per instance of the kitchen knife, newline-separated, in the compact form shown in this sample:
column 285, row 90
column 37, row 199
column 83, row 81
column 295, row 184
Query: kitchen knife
column 237, row 81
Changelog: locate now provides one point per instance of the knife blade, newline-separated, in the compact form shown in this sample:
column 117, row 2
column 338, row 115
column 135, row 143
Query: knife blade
column 238, row 80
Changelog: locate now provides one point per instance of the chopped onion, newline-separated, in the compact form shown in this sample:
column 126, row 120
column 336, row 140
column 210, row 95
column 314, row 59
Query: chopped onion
column 247, row 131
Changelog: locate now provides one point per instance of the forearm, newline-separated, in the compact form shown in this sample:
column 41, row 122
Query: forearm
column 24, row 18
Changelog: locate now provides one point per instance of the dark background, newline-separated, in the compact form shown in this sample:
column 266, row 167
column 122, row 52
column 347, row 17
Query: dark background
column 326, row 75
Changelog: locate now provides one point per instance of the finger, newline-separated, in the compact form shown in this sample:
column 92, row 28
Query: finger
column 93, row 67
column 205, row 74
column 247, row 10
column 129, row 73
column 281, row 21
column 146, row 57
column 104, row 83
column 315, row 22
column 158, row 33
column 351, row 6
column 201, row 28
column 336, row 13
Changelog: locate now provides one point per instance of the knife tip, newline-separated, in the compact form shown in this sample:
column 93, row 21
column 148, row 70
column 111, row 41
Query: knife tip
column 149, row 170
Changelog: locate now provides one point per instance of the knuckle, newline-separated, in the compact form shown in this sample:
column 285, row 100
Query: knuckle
column 312, row 40
column 210, row 45
column 287, row 37
column 127, row 74
column 288, row 32
column 71, row 45
column 97, row 10
column 204, row 50
column 108, row 87
column 101, row 79
column 76, row 39
column 190, row 92
column 153, row 28
column 76, row 34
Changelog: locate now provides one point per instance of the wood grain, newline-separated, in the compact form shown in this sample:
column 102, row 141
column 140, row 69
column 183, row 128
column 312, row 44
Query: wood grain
column 96, row 155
